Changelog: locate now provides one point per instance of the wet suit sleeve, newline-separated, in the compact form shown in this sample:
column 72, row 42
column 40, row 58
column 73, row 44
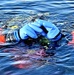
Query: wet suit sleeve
column 9, row 37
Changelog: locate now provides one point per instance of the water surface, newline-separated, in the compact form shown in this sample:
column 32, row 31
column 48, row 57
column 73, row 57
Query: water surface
column 61, row 13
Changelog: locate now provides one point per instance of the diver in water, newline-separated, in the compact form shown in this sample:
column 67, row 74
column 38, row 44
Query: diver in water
column 33, row 29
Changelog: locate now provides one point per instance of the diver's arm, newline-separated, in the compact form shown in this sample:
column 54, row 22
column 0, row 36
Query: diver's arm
column 12, row 37
column 9, row 37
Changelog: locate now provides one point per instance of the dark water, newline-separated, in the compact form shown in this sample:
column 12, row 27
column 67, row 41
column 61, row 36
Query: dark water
column 61, row 12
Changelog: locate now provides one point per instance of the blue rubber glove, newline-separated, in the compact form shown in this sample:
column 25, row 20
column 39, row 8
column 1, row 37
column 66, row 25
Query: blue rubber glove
column 26, row 31
column 53, row 31
column 34, row 28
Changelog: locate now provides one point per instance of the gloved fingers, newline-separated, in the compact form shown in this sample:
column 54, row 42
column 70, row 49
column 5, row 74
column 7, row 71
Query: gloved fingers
column 30, row 32
column 39, row 21
column 48, row 24
column 36, row 28
column 51, row 35
column 35, row 23
column 49, row 29
column 45, row 23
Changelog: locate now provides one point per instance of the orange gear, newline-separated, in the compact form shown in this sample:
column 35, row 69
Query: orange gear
column 2, row 39
column 72, row 41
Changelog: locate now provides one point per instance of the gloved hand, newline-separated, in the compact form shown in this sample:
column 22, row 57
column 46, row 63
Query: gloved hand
column 52, row 30
column 28, row 31
column 34, row 28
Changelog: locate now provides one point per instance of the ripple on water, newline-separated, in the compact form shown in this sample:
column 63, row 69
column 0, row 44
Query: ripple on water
column 61, row 13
